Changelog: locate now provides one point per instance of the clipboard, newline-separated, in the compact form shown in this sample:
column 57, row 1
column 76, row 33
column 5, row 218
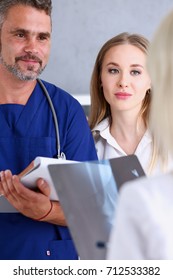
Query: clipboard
column 39, row 169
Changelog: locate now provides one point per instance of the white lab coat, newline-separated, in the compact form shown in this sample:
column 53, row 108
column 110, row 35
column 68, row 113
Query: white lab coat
column 143, row 223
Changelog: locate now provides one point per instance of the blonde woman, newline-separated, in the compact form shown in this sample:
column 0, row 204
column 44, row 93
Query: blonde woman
column 120, row 101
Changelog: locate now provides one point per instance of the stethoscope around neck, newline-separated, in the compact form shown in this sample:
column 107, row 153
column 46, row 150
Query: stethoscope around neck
column 60, row 155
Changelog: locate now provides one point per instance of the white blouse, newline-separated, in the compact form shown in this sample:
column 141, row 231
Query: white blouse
column 107, row 147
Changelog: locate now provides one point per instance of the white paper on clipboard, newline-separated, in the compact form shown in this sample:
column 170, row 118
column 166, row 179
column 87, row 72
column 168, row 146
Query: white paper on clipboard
column 40, row 170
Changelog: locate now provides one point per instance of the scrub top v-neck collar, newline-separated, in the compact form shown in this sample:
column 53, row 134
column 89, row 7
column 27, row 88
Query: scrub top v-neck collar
column 24, row 114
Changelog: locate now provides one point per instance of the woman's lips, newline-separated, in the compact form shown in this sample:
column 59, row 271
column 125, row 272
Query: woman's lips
column 122, row 95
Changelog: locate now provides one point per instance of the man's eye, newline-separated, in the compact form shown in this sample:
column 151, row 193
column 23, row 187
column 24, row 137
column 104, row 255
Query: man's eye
column 43, row 37
column 20, row 35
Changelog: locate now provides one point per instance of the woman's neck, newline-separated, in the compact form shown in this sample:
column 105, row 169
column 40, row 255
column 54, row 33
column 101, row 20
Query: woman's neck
column 127, row 132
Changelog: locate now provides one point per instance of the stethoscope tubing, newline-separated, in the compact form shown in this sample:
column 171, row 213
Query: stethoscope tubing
column 60, row 155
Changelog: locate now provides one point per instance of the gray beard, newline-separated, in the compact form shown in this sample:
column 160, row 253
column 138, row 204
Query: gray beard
column 16, row 71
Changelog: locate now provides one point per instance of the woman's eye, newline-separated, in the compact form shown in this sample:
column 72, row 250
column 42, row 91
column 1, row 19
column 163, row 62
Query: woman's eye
column 135, row 72
column 113, row 71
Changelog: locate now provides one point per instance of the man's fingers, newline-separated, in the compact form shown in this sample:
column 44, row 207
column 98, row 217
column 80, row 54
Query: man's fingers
column 43, row 187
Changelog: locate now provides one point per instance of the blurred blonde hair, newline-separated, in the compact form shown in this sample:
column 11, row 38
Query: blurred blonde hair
column 160, row 66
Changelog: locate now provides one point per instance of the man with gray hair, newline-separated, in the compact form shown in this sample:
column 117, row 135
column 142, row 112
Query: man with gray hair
column 37, row 228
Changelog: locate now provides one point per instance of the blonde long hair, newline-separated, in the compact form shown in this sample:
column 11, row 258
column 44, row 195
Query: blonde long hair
column 100, row 108
column 160, row 66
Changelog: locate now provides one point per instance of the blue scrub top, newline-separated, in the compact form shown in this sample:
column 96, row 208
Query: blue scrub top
column 26, row 132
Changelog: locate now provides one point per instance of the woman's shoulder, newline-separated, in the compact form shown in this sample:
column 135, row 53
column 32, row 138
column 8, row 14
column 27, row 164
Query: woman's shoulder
column 101, row 126
column 149, row 188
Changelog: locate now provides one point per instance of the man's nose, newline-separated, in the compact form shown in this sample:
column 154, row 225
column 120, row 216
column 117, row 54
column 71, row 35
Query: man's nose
column 31, row 46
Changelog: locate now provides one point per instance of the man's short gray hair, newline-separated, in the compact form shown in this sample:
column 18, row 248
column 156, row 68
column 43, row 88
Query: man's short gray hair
column 5, row 5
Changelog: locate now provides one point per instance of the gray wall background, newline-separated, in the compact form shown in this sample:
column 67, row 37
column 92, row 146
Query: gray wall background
column 81, row 27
